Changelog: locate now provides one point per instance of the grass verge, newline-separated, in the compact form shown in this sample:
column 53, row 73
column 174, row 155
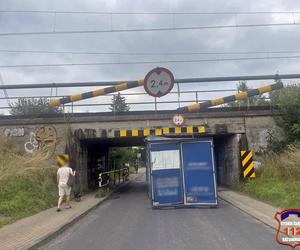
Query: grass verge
column 278, row 180
column 27, row 185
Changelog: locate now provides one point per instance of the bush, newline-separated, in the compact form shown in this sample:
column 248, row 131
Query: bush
column 288, row 100
column 31, row 106
column 101, row 192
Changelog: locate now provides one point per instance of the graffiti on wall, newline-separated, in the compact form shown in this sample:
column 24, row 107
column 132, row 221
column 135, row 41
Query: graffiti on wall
column 42, row 142
column 31, row 145
column 86, row 133
column 14, row 132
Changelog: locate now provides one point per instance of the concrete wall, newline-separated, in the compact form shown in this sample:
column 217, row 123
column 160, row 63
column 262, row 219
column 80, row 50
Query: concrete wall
column 227, row 157
column 254, row 123
column 257, row 129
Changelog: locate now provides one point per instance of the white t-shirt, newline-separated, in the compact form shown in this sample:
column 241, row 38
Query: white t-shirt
column 64, row 173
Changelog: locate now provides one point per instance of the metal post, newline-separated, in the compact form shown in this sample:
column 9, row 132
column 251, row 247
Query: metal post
column 114, row 173
column 178, row 91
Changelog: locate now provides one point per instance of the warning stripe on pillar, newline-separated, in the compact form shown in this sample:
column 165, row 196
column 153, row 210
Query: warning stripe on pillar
column 247, row 164
column 62, row 159
column 160, row 131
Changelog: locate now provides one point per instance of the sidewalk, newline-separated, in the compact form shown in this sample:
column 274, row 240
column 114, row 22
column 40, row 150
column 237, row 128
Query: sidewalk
column 257, row 209
column 27, row 232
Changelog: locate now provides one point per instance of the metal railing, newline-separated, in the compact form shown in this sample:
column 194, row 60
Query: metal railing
column 106, row 178
column 176, row 99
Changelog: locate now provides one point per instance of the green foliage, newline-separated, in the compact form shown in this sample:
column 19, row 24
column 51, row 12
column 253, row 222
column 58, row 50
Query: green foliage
column 288, row 101
column 277, row 179
column 101, row 192
column 26, row 186
column 119, row 104
column 120, row 156
column 282, row 193
column 294, row 132
column 251, row 101
column 275, row 142
column 25, row 195
column 28, row 106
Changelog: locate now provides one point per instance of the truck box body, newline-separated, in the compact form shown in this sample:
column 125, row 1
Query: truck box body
column 181, row 172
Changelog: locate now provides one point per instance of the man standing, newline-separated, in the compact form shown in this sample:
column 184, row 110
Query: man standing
column 63, row 175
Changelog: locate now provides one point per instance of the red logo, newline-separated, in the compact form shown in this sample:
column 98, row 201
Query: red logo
column 288, row 232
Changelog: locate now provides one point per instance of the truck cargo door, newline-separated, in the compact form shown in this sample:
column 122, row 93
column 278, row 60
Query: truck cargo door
column 199, row 173
column 166, row 174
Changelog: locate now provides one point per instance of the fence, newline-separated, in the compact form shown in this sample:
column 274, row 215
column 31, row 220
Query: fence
column 105, row 178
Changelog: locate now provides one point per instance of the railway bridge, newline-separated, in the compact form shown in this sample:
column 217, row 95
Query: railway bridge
column 87, row 137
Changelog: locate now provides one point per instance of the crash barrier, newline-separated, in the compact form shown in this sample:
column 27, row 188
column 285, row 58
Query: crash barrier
column 238, row 96
column 97, row 92
column 247, row 164
column 121, row 175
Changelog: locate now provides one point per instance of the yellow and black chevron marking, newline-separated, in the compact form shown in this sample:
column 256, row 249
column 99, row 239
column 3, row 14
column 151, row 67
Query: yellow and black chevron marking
column 97, row 92
column 247, row 164
column 62, row 159
column 231, row 98
column 159, row 131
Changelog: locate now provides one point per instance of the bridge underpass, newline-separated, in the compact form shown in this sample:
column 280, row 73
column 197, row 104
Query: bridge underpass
column 97, row 159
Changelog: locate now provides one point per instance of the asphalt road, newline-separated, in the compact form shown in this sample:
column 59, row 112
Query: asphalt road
column 126, row 221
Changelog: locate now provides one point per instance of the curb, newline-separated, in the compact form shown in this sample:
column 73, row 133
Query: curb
column 47, row 238
column 265, row 222
column 244, row 211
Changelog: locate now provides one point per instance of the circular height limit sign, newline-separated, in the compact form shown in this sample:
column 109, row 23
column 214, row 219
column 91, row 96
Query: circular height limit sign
column 159, row 82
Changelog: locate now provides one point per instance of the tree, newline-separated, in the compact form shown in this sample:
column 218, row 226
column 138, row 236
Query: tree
column 288, row 102
column 122, row 155
column 119, row 104
column 28, row 106
column 251, row 101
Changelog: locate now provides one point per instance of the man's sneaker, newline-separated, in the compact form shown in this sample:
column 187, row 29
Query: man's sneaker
column 58, row 210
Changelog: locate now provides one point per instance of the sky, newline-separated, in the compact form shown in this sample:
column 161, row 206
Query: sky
column 230, row 40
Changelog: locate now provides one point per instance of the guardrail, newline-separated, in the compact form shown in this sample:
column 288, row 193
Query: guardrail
column 105, row 177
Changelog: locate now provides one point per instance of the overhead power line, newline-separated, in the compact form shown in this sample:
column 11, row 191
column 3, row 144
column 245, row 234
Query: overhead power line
column 149, row 53
column 152, row 13
column 148, row 29
column 147, row 62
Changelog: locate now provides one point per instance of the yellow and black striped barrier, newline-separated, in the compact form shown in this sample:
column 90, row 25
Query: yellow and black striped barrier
column 97, row 92
column 247, row 164
column 189, row 130
column 62, row 159
column 231, row 98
